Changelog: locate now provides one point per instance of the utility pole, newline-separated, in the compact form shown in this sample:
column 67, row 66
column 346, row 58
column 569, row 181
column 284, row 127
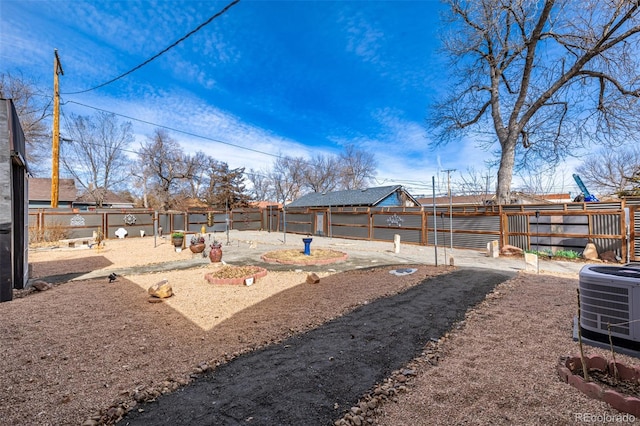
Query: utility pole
column 55, row 146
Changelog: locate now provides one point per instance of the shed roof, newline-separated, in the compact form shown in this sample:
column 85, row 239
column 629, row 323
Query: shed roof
column 356, row 197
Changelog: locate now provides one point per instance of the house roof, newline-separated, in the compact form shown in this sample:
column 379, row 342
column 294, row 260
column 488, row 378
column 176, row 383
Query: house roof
column 40, row 189
column 109, row 198
column 356, row 197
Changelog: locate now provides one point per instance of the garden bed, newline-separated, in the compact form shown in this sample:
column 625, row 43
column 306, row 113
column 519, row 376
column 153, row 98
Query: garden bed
column 612, row 382
column 297, row 257
column 235, row 275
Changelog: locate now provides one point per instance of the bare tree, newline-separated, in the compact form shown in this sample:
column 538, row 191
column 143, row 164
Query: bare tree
column 540, row 77
column 193, row 188
column 357, row 168
column 611, row 171
column 33, row 109
column 94, row 153
column 162, row 162
column 292, row 177
column 287, row 178
column 321, row 173
column 538, row 180
column 634, row 191
column 262, row 188
column 476, row 183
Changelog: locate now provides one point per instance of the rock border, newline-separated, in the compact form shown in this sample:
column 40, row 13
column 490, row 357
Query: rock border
column 260, row 272
column 568, row 367
column 311, row 261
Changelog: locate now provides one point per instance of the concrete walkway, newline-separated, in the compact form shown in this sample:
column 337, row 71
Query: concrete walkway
column 246, row 247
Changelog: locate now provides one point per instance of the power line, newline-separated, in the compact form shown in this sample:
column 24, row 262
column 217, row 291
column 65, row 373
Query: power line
column 176, row 130
column 307, row 162
column 162, row 52
column 90, row 143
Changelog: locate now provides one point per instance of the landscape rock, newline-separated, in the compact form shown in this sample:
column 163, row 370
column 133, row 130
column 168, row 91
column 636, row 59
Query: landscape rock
column 313, row 278
column 509, row 250
column 590, row 252
column 531, row 262
column 161, row 289
column 609, row 256
column 41, row 285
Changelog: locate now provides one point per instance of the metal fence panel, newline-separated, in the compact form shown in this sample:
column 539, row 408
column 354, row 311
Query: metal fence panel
column 463, row 241
column 77, row 225
column 608, row 244
column 635, row 234
column 350, row 219
column 413, row 220
column 132, row 221
column 406, row 235
column 606, row 224
column 299, row 228
column 247, row 220
column 356, row 232
column 567, row 226
column 467, row 223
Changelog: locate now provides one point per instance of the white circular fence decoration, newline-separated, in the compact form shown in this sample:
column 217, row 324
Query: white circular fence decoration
column 77, row 220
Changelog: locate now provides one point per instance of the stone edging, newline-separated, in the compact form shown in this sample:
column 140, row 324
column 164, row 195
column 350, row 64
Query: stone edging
column 568, row 367
column 311, row 261
column 261, row 272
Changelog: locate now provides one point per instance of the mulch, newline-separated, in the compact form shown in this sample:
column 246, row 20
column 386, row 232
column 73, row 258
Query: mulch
column 315, row 377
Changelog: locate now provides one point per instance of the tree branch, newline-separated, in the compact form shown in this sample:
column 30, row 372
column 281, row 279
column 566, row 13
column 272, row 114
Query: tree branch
column 606, row 77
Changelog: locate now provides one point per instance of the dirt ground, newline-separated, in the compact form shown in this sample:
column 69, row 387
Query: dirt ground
column 286, row 352
column 313, row 377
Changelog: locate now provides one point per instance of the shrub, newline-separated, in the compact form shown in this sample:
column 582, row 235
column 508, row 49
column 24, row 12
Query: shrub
column 51, row 232
column 567, row 254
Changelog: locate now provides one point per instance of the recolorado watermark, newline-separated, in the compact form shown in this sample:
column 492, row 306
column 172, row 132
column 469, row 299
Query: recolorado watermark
column 604, row 418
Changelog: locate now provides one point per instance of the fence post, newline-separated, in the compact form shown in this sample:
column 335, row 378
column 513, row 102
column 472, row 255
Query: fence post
column 504, row 227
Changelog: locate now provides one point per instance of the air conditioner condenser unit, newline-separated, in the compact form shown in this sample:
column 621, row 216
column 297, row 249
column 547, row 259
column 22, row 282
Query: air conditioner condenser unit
column 610, row 304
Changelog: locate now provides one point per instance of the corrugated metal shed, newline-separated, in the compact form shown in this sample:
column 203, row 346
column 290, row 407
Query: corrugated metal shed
column 369, row 197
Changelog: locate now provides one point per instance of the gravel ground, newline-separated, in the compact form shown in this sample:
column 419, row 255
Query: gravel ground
column 87, row 350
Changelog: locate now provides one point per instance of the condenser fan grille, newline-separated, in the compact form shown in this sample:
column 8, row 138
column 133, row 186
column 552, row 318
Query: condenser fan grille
column 602, row 306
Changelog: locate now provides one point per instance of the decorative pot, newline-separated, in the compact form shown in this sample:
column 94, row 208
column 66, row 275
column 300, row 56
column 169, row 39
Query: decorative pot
column 177, row 241
column 215, row 255
column 197, row 248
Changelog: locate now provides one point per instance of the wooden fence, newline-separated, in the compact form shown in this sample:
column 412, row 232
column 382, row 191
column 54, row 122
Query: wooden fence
column 611, row 226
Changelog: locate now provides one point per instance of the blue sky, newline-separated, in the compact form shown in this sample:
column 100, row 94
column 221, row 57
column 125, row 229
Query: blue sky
column 291, row 78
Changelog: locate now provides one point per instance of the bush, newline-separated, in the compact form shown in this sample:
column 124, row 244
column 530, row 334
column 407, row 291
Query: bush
column 559, row 254
column 567, row 254
column 52, row 232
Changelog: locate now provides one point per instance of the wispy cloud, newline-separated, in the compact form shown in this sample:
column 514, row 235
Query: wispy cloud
column 363, row 39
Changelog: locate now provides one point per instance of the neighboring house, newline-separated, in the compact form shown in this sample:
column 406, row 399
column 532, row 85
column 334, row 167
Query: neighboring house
column 40, row 196
column 265, row 204
column 480, row 199
column 110, row 200
column 40, row 193
column 383, row 196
